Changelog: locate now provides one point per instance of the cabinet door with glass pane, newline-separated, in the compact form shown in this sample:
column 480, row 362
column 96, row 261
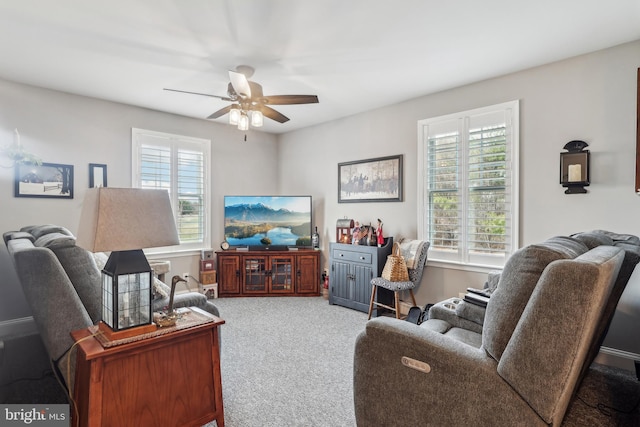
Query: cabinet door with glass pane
column 282, row 270
column 255, row 274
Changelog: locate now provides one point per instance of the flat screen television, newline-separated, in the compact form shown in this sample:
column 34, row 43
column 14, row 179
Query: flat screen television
column 267, row 222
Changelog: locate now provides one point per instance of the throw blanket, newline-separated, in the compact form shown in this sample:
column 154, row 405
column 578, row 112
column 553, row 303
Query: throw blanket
column 410, row 251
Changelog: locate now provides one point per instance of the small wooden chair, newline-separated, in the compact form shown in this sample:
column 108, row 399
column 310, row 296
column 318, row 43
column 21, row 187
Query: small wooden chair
column 415, row 275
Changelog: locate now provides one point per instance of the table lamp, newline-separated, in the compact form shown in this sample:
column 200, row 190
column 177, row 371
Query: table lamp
column 125, row 221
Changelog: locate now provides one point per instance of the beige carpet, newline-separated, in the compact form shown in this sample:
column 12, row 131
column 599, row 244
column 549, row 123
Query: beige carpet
column 606, row 397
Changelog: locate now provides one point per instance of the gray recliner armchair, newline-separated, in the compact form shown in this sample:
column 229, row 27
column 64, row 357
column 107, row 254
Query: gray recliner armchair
column 521, row 369
column 62, row 284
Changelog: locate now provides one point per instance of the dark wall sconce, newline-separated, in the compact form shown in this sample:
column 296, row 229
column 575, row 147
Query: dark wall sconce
column 574, row 167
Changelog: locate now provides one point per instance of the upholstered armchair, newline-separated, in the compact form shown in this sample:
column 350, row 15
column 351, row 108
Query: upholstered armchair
column 521, row 369
column 62, row 284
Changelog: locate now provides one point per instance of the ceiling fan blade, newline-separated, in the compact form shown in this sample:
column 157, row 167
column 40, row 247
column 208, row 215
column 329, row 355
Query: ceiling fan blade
column 273, row 114
column 240, row 84
column 290, row 99
column 221, row 112
column 224, row 98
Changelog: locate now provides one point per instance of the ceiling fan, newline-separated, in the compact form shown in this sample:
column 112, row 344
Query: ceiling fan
column 249, row 102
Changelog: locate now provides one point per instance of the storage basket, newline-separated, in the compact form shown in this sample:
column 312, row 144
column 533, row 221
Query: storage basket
column 395, row 269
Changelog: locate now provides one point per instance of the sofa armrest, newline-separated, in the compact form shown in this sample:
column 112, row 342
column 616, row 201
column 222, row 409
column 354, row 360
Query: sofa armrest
column 462, row 384
column 185, row 299
column 447, row 310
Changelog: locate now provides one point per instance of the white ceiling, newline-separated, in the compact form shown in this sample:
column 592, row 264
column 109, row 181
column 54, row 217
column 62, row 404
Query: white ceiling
column 356, row 55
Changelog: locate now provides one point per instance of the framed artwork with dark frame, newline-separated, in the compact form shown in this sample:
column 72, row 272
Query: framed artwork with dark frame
column 370, row 180
column 97, row 175
column 51, row 180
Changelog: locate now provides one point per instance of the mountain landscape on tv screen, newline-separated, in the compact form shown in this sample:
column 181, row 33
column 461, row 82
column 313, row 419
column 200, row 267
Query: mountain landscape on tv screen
column 259, row 224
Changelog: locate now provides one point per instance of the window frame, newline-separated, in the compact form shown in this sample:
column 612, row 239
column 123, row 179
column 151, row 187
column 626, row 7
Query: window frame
column 462, row 259
column 176, row 142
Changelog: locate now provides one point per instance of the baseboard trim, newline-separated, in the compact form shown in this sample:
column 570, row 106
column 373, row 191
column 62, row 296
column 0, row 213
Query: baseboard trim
column 620, row 353
column 17, row 327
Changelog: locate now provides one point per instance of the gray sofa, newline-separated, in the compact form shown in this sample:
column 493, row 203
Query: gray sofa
column 62, row 284
column 542, row 328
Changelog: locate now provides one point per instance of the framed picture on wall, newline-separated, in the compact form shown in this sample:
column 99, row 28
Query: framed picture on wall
column 97, row 175
column 370, row 180
column 50, row 180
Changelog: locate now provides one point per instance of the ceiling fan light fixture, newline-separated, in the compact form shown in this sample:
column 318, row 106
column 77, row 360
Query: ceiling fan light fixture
column 257, row 119
column 243, row 121
column 249, row 106
column 234, row 116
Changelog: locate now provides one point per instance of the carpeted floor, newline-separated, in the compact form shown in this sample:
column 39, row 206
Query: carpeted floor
column 26, row 376
column 606, row 397
column 289, row 362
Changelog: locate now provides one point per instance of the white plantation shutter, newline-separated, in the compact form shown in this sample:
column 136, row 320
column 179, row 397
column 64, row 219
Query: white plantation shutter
column 468, row 185
column 191, row 224
column 178, row 164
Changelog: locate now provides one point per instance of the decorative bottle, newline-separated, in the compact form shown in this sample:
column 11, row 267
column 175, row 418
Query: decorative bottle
column 315, row 239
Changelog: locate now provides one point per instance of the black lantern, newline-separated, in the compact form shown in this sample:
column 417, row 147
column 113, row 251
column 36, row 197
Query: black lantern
column 574, row 167
column 126, row 290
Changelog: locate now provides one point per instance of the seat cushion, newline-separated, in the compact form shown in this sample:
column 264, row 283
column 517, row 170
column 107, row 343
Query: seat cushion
column 466, row 336
column 517, row 281
column 436, row 325
column 392, row 286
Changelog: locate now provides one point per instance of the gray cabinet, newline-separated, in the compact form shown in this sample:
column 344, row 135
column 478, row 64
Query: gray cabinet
column 351, row 268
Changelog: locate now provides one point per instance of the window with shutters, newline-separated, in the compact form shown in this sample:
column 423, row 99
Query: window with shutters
column 468, row 185
column 179, row 164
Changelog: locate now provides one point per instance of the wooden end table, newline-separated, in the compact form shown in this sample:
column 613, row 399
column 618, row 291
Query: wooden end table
column 169, row 379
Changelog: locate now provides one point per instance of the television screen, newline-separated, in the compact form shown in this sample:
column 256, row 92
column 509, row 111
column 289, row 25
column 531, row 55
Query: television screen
column 267, row 221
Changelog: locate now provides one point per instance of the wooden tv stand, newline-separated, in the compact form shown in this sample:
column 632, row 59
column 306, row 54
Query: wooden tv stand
column 267, row 272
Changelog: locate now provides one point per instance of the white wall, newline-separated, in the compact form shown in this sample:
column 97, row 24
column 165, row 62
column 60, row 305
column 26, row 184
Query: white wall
column 591, row 97
column 76, row 130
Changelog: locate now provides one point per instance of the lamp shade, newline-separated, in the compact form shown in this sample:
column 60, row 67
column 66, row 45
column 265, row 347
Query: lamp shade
column 256, row 119
column 122, row 219
column 243, row 122
column 234, row 115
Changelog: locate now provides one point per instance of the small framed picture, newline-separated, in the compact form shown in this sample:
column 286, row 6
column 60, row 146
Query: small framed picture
column 51, row 180
column 97, row 175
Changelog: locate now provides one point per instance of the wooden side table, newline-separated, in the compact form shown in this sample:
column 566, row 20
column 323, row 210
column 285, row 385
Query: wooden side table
column 171, row 379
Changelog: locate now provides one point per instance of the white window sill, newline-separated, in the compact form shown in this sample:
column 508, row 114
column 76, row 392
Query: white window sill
column 465, row 267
